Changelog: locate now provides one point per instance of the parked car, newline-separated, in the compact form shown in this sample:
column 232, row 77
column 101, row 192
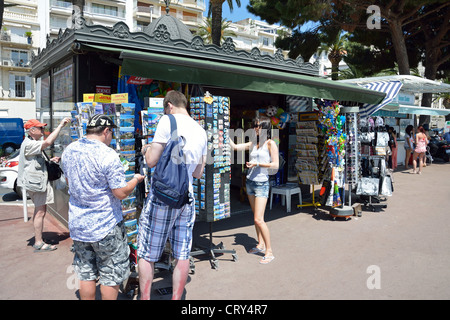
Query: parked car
column 9, row 171
column 11, row 134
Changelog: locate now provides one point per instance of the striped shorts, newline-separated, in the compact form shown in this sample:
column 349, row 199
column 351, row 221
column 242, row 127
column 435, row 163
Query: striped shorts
column 158, row 223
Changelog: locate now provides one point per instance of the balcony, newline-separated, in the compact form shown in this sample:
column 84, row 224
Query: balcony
column 16, row 65
column 14, row 40
column 20, row 17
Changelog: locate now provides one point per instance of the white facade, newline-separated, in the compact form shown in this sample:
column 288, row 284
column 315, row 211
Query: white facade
column 45, row 18
column 17, row 98
column 254, row 33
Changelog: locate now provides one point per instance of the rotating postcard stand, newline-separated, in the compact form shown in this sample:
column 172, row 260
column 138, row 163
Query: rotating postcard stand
column 212, row 190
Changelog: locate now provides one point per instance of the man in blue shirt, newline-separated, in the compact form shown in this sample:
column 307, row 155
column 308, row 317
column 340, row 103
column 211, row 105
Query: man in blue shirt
column 446, row 136
column 97, row 183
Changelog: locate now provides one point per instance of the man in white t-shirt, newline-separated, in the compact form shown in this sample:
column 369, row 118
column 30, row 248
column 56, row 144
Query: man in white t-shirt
column 159, row 222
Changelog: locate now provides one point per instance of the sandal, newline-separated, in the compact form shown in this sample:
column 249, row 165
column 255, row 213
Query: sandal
column 44, row 247
column 266, row 259
column 256, row 250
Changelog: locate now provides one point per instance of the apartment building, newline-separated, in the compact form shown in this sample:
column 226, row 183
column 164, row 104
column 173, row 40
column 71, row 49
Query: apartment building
column 17, row 42
column 29, row 24
column 254, row 33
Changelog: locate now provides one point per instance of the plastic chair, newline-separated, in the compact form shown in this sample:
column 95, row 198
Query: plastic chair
column 286, row 191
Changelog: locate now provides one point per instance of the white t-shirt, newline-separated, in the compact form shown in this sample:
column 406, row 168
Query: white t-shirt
column 194, row 134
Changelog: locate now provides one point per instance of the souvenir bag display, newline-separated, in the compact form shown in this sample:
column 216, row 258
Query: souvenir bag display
column 368, row 186
column 386, row 186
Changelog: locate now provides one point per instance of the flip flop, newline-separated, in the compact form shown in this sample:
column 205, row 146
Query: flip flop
column 256, row 250
column 266, row 259
column 44, row 247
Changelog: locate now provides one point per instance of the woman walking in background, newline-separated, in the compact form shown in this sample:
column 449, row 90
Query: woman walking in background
column 408, row 144
column 393, row 146
column 421, row 148
column 263, row 157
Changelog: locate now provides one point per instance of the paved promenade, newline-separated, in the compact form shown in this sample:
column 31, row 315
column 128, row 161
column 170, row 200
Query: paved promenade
column 402, row 252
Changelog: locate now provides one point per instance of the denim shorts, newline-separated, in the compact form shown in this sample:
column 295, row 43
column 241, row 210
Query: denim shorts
column 258, row 189
column 107, row 260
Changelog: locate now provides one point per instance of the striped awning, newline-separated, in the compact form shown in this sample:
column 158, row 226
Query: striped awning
column 391, row 88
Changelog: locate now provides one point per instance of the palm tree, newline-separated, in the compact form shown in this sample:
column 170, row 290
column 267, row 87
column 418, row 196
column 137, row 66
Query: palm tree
column 205, row 31
column 215, row 11
column 336, row 51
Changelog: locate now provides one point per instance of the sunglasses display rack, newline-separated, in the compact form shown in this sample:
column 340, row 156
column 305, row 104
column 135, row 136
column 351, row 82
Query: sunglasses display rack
column 352, row 156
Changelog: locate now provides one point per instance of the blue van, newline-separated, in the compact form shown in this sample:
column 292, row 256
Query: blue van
column 11, row 133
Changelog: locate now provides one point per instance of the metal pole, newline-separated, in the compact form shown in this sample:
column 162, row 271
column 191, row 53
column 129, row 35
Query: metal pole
column 24, row 201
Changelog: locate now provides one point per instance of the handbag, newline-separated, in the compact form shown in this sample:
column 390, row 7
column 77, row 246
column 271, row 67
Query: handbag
column 386, row 186
column 368, row 186
column 53, row 169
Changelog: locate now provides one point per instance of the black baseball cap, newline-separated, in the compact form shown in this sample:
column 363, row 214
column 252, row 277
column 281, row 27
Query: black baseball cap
column 100, row 120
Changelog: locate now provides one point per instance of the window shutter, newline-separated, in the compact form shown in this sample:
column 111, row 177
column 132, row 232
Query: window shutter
column 27, row 87
column 12, row 86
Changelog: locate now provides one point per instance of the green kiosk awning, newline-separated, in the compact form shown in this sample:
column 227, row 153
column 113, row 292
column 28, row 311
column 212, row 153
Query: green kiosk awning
column 205, row 72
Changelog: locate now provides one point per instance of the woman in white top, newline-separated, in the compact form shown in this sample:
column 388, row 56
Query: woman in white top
column 263, row 157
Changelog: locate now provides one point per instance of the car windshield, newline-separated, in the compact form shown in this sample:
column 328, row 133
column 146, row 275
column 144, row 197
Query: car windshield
column 14, row 154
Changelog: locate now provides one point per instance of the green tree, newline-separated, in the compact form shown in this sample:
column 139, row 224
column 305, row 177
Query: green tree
column 394, row 17
column 205, row 31
column 336, row 49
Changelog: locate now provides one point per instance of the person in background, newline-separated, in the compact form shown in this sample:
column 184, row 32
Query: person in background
column 421, row 148
column 159, row 222
column 409, row 146
column 96, row 180
column 393, row 145
column 263, row 156
column 31, row 155
column 426, row 127
column 446, row 136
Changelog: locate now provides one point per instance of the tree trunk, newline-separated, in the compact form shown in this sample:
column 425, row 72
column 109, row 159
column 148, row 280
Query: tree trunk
column 2, row 8
column 216, row 21
column 431, row 66
column 398, row 41
column 334, row 58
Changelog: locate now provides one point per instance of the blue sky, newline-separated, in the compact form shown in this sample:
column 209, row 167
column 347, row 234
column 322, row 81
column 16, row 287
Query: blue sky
column 240, row 13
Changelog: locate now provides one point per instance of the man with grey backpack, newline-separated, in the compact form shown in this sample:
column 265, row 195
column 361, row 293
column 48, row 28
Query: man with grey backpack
column 167, row 214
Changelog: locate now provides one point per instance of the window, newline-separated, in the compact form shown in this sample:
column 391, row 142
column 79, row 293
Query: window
column 20, row 58
column 107, row 10
column 265, row 41
column 20, row 86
